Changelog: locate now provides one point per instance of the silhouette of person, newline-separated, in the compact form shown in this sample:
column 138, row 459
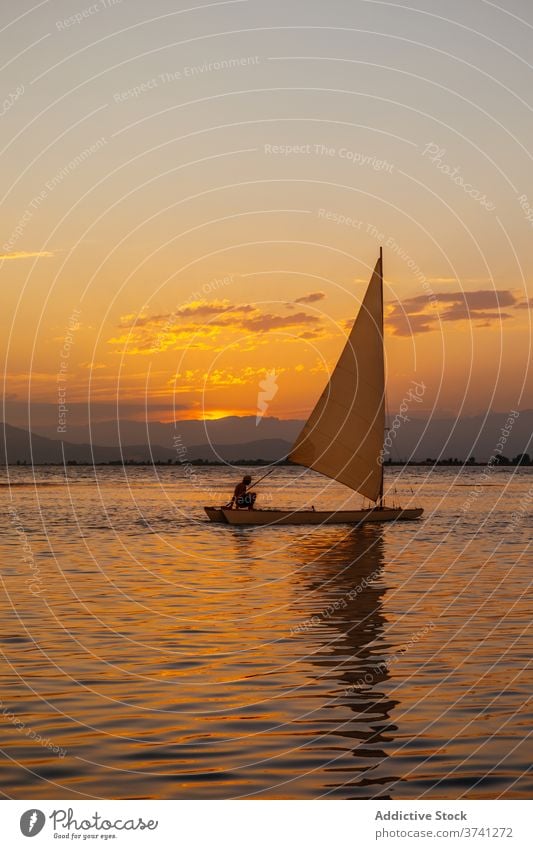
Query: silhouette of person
column 242, row 498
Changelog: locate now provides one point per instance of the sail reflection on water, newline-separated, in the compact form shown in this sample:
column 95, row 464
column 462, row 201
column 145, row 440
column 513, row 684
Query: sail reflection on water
column 352, row 648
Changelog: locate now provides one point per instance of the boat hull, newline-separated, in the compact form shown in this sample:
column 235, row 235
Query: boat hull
column 312, row 517
column 215, row 514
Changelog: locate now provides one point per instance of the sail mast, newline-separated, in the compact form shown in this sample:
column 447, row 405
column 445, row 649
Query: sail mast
column 380, row 498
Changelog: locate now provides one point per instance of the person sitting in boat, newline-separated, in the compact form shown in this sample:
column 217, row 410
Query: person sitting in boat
column 241, row 497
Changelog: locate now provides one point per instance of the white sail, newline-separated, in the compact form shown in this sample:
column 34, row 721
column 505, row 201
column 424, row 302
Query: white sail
column 343, row 437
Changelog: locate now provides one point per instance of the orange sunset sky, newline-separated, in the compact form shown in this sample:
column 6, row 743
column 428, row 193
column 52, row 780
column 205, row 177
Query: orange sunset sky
column 195, row 195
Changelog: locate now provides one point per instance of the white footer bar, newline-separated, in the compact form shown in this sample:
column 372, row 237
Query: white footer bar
column 266, row 824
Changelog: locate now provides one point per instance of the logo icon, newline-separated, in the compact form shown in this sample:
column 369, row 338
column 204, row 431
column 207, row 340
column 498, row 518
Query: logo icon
column 32, row 822
column 267, row 389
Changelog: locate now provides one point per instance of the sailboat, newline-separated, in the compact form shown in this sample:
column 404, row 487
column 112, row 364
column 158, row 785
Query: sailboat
column 343, row 437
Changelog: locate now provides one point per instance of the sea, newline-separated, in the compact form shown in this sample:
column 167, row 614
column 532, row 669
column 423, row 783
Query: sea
column 147, row 653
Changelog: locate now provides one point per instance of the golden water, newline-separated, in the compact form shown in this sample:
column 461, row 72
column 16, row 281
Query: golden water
column 165, row 657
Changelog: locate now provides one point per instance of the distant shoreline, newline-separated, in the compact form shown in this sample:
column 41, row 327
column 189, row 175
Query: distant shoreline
column 455, row 463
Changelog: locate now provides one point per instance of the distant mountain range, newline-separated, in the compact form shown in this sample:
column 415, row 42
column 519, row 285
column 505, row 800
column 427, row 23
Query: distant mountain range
column 225, row 431
column 19, row 445
column 237, row 438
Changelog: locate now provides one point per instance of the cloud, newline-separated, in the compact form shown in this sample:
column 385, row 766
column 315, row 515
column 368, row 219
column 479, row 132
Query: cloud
column 199, row 325
column 423, row 315
column 310, row 334
column 150, row 340
column 191, row 380
column 27, row 254
column 311, row 298
column 206, row 309
column 525, row 305
column 461, row 312
column 92, row 365
column 196, row 309
column 455, row 280
column 403, row 324
column 267, row 321
column 482, row 298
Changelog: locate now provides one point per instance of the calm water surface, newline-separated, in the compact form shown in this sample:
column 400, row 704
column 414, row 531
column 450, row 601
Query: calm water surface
column 165, row 657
